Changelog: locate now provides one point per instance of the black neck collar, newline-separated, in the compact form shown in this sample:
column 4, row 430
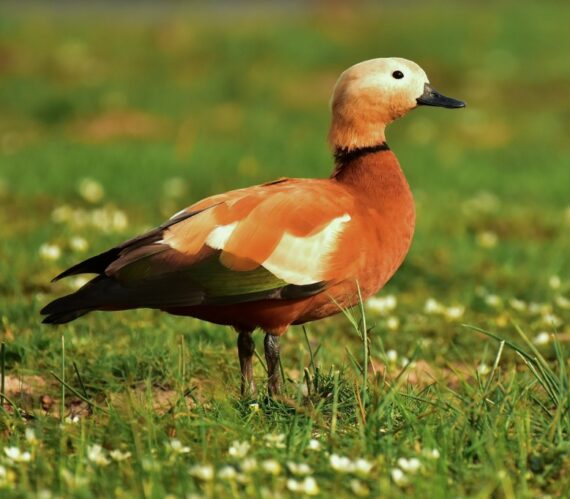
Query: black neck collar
column 344, row 155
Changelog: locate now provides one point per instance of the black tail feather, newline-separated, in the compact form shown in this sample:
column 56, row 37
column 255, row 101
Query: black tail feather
column 98, row 263
column 102, row 291
column 70, row 307
column 94, row 265
column 64, row 317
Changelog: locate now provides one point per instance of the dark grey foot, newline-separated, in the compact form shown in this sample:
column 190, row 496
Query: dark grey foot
column 271, row 345
column 246, row 349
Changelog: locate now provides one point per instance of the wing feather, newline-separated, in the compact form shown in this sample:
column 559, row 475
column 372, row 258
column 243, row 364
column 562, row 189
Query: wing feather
column 272, row 241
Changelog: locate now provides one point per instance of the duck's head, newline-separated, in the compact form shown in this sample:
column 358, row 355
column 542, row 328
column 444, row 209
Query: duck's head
column 373, row 93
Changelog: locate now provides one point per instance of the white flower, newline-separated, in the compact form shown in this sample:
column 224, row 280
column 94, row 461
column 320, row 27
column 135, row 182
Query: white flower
column 554, row 282
column 120, row 221
column 358, row 488
column 117, row 455
column 50, row 251
column 392, row 355
column 393, row 323
column 398, row 476
column 15, row 455
column 345, row 465
column 78, row 282
column 106, row 219
column 276, row 440
column 431, row 453
column 303, row 389
column 227, row 473
column 80, row 218
column 176, row 447
column 562, row 302
column 539, row 308
column 314, row 444
column 299, row 468
column 249, row 465
column 382, row 304
column 341, row 464
column 518, row 305
column 454, row 313
column 91, row 190
column 239, row 449
column 432, row 306
column 96, row 455
column 6, row 477
column 362, row 466
column 271, row 466
column 203, row 472
column 541, row 338
column 254, row 407
column 487, row 239
column 243, row 479
column 493, row 300
column 31, row 436
column 310, row 486
column 62, row 214
column 483, row 369
column 307, row 486
column 78, row 244
column 552, row 320
column 410, row 465
column 404, row 361
column 72, row 419
column 293, row 485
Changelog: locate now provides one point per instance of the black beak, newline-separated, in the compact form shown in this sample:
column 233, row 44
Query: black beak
column 432, row 97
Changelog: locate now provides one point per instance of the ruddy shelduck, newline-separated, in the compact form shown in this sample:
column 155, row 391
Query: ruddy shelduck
column 285, row 252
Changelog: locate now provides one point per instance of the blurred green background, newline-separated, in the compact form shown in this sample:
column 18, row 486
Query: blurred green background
column 115, row 116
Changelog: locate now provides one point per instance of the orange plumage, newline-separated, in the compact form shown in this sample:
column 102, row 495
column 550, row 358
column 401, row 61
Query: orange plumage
column 286, row 252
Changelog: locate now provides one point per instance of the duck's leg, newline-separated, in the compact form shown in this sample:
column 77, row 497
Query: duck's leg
column 271, row 345
column 246, row 348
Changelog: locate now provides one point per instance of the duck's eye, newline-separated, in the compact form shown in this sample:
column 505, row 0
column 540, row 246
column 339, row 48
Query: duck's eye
column 398, row 75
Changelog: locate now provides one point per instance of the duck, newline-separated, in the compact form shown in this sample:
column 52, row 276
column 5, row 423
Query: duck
column 285, row 252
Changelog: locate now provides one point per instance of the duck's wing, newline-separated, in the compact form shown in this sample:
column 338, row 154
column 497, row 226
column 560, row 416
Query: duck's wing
column 274, row 241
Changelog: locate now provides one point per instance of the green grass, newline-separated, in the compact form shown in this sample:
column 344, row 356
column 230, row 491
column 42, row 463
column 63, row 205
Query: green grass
column 219, row 101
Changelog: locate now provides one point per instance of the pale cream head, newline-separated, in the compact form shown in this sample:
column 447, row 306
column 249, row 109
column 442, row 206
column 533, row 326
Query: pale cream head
column 370, row 95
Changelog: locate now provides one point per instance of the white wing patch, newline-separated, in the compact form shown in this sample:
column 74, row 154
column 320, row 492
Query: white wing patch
column 218, row 238
column 302, row 260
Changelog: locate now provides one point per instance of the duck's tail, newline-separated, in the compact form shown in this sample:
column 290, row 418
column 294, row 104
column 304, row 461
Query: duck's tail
column 86, row 299
column 63, row 317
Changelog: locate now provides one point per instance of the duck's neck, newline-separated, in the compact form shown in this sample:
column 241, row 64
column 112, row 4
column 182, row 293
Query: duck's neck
column 383, row 205
column 384, row 199
column 374, row 172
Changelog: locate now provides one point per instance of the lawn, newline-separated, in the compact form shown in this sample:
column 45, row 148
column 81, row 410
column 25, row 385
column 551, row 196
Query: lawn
column 113, row 120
